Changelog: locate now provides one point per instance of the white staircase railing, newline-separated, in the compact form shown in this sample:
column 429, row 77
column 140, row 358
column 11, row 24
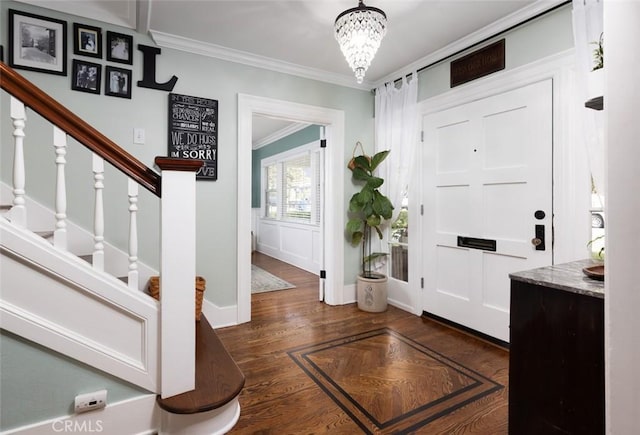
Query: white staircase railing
column 60, row 233
column 132, row 275
column 177, row 183
column 19, row 117
column 98, row 213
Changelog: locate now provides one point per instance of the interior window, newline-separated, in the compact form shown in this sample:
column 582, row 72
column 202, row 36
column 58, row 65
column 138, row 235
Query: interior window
column 399, row 244
column 297, row 188
column 292, row 187
column 271, row 193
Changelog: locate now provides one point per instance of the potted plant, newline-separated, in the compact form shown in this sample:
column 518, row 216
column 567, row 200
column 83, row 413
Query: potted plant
column 368, row 210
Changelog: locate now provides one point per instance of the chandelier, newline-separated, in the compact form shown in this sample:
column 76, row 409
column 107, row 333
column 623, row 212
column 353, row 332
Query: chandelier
column 359, row 31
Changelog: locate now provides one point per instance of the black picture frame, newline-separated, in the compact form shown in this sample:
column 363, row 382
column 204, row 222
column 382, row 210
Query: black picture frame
column 86, row 76
column 87, row 40
column 119, row 48
column 37, row 43
column 117, row 82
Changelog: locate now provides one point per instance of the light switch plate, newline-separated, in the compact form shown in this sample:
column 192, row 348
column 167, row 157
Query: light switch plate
column 138, row 135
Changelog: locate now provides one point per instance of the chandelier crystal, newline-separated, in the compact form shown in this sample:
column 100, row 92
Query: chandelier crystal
column 359, row 31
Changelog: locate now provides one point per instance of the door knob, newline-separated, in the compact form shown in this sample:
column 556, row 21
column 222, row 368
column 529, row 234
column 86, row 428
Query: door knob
column 536, row 241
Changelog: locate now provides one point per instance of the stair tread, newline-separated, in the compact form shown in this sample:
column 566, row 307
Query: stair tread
column 44, row 234
column 218, row 377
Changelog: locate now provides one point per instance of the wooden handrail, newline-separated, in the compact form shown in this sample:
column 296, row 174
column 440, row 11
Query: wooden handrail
column 54, row 112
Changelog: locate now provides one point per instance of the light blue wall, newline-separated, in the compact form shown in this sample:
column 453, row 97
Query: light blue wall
column 38, row 384
column 302, row 137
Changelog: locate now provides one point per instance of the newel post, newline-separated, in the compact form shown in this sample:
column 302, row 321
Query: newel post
column 177, row 274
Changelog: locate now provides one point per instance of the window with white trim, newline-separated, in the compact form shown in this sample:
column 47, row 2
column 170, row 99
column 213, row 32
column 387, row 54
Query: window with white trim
column 291, row 183
column 271, row 193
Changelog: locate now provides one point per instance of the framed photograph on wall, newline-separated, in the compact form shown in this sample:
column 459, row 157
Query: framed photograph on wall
column 85, row 76
column 119, row 47
column 87, row 40
column 37, row 43
column 117, row 82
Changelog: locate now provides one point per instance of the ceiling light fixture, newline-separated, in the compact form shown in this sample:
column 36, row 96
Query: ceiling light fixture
column 359, row 31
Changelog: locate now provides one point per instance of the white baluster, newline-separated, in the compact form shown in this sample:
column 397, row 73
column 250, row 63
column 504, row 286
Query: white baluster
column 98, row 218
column 133, row 235
column 60, row 233
column 18, row 211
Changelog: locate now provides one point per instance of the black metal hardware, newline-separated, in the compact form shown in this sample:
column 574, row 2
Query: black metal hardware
column 540, row 235
column 323, row 274
column 473, row 243
column 539, row 214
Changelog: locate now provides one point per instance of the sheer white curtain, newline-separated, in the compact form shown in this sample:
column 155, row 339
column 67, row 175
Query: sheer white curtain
column 587, row 30
column 396, row 115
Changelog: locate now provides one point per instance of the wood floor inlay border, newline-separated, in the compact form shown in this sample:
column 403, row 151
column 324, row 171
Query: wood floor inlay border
column 387, row 382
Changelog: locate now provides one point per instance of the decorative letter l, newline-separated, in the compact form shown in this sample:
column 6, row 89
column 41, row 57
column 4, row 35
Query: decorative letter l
column 149, row 70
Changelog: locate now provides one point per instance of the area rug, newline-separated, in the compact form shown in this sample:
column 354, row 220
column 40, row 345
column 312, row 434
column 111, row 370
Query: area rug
column 262, row 281
column 413, row 385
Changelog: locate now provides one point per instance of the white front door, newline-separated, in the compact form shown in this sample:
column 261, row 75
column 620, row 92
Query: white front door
column 487, row 171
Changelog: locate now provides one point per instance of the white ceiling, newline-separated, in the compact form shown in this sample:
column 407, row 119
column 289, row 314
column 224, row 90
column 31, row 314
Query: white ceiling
column 296, row 36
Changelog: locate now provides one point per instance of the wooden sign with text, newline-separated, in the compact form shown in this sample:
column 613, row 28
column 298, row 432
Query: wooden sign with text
column 478, row 64
column 193, row 132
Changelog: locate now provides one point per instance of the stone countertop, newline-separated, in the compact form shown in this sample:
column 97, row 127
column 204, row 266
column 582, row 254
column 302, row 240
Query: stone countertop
column 567, row 276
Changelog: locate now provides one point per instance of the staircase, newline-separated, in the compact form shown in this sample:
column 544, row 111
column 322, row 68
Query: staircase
column 68, row 289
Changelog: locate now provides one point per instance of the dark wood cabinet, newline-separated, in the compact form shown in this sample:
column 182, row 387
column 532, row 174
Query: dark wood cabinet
column 556, row 363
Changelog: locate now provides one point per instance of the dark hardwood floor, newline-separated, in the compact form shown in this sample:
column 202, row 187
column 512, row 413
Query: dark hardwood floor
column 315, row 368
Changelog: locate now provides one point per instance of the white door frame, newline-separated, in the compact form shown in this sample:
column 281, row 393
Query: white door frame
column 571, row 192
column 333, row 120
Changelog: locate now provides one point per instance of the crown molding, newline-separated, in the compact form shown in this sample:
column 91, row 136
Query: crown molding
column 511, row 20
column 284, row 132
column 167, row 40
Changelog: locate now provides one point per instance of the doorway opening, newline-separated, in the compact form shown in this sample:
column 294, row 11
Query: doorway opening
column 331, row 286
column 287, row 200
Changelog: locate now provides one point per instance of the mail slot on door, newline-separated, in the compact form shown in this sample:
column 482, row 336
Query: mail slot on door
column 473, row 243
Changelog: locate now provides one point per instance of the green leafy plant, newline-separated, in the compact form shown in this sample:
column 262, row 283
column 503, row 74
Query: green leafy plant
column 368, row 208
column 598, row 255
column 598, row 54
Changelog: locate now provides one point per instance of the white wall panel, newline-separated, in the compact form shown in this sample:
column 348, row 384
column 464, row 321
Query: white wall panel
column 59, row 301
column 296, row 244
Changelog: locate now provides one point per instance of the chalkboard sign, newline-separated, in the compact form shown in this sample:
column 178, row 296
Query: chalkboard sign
column 193, row 132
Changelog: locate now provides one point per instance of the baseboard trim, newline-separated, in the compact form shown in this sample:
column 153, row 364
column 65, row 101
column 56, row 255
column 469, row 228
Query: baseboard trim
column 349, row 294
column 220, row 317
column 477, row 334
column 402, row 306
column 138, row 415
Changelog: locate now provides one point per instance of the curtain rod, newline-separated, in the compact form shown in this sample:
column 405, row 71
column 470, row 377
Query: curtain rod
column 483, row 41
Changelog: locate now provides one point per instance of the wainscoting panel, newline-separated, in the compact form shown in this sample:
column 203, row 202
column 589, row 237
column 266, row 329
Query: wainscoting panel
column 57, row 300
column 293, row 243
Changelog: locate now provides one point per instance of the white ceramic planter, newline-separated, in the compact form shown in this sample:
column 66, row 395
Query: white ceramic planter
column 595, row 83
column 372, row 294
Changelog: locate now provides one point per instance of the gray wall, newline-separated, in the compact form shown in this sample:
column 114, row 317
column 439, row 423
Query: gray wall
column 216, row 211
column 299, row 138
